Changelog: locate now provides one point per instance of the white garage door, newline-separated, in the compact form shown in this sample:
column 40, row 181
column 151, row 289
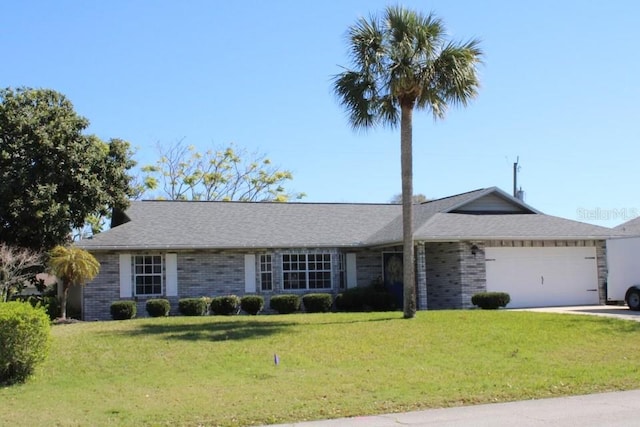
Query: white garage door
column 544, row 277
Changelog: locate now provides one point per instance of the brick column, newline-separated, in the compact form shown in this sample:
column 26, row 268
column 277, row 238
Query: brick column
column 421, row 276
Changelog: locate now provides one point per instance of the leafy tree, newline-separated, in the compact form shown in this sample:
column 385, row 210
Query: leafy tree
column 228, row 173
column 74, row 267
column 403, row 62
column 17, row 266
column 52, row 176
column 417, row 199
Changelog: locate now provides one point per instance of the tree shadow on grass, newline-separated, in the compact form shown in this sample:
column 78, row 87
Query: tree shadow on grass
column 236, row 329
column 211, row 331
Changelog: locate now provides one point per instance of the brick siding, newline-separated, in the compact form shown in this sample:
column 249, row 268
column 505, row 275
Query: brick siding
column 451, row 271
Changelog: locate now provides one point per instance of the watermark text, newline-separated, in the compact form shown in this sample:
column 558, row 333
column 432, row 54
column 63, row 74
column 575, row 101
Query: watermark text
column 601, row 214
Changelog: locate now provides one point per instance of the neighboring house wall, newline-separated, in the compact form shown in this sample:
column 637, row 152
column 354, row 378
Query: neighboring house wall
column 601, row 255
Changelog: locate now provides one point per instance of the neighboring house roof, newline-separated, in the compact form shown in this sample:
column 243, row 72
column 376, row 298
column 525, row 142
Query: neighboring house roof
column 485, row 214
column 630, row 228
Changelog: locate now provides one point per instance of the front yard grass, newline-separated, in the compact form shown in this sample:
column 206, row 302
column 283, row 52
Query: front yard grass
column 191, row 371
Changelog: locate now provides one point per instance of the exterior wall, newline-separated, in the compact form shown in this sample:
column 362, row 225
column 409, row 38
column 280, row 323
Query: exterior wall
column 454, row 273
column 369, row 265
column 98, row 295
column 444, row 290
column 214, row 273
column 421, row 277
column 450, row 269
column 473, row 271
column 210, row 274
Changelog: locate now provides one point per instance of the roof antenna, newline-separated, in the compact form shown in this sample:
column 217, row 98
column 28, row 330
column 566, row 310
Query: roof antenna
column 518, row 194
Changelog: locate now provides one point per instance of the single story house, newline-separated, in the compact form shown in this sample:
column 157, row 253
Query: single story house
column 482, row 240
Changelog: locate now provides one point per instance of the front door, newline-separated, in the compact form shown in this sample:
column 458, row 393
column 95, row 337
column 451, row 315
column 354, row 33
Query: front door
column 392, row 266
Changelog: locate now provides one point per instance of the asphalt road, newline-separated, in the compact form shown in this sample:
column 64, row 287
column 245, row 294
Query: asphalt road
column 614, row 409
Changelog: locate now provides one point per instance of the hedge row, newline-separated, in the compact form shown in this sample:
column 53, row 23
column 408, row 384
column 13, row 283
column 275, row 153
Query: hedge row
column 371, row 298
column 159, row 307
column 357, row 299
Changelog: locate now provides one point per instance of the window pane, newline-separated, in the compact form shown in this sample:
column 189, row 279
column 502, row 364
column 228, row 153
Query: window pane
column 306, row 271
column 148, row 274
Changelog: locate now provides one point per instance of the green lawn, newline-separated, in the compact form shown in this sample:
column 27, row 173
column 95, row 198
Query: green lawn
column 220, row 370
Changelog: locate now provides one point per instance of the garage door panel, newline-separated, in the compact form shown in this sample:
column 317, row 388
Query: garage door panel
column 536, row 277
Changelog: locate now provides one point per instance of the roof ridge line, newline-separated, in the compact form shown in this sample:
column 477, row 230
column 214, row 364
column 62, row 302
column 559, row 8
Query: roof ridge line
column 455, row 195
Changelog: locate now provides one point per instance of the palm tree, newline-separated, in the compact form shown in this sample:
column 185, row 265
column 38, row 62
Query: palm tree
column 74, row 267
column 403, row 62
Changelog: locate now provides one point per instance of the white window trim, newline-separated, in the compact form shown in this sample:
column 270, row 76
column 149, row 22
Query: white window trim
column 269, row 271
column 307, row 271
column 134, row 275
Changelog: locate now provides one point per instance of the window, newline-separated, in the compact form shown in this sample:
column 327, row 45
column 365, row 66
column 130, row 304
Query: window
column 306, row 271
column 147, row 274
column 266, row 275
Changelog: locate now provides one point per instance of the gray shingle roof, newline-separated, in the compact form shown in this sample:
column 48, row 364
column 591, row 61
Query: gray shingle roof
column 176, row 224
column 451, row 226
column 217, row 225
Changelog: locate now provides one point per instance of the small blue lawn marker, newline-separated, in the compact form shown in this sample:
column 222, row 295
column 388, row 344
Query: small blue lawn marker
column 276, row 359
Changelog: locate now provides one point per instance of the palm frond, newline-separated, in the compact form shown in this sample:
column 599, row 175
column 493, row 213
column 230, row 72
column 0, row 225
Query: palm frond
column 389, row 111
column 73, row 265
column 404, row 58
column 366, row 40
column 357, row 93
column 456, row 72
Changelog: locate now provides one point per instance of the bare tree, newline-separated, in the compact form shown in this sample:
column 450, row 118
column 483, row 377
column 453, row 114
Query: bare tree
column 417, row 199
column 16, row 268
column 227, row 173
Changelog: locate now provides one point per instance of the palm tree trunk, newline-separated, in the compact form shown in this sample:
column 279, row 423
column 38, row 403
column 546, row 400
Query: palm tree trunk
column 406, row 166
column 63, row 301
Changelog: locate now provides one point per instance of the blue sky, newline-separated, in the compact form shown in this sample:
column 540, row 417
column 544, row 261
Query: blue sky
column 559, row 90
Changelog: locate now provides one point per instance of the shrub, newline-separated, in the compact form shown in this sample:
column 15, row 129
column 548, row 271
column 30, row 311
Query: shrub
column 490, row 300
column 50, row 304
column 317, row 303
column 351, row 300
column 158, row 307
column 24, row 340
column 123, row 310
column 252, row 304
column 363, row 299
column 225, row 305
column 193, row 306
column 285, row 303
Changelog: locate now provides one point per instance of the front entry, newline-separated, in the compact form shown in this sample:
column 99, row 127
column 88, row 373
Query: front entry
column 392, row 266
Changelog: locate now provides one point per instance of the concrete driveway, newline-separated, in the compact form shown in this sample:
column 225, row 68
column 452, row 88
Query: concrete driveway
column 615, row 311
